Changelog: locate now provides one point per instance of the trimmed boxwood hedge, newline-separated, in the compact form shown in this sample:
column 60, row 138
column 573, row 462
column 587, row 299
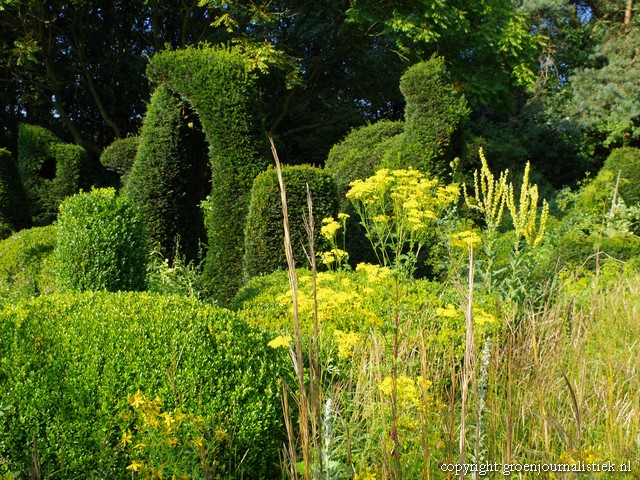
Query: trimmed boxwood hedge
column 264, row 236
column 168, row 178
column 68, row 363
column 25, row 264
column 101, row 243
column 50, row 169
column 14, row 207
column 221, row 88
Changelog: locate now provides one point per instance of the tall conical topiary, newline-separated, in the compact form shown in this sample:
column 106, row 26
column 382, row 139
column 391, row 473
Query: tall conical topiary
column 168, row 178
column 14, row 207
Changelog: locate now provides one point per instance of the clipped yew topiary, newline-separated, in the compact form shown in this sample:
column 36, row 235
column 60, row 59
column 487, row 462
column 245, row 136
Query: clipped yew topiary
column 51, row 170
column 14, row 207
column 433, row 113
column 264, row 236
column 221, row 88
column 120, row 155
column 168, row 178
column 101, row 243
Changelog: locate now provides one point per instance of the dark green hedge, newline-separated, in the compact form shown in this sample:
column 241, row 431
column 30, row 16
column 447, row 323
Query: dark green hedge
column 168, row 178
column 51, row 170
column 14, row 207
column 69, row 362
column 433, row 113
column 119, row 156
column 101, row 243
column 218, row 84
column 264, row 236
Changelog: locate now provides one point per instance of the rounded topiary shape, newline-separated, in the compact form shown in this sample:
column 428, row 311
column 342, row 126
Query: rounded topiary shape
column 264, row 235
column 361, row 152
column 627, row 161
column 433, row 113
column 14, row 210
column 168, row 178
column 71, row 361
column 101, row 243
column 120, row 155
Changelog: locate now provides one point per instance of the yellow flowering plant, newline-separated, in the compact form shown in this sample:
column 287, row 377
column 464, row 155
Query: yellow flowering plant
column 162, row 443
column 336, row 258
column 398, row 209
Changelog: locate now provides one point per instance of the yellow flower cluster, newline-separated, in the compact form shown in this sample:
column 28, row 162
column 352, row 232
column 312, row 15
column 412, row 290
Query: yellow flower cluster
column 465, row 240
column 346, row 342
column 281, row 341
column 335, row 255
column 407, row 391
column 329, row 228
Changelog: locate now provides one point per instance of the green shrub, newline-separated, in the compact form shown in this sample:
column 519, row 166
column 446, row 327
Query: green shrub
column 361, row 152
column 220, row 87
column 264, row 236
column 14, row 211
column 72, row 364
column 101, row 243
column 25, row 263
column 168, row 178
column 51, row 170
column 119, row 156
column 627, row 161
column 433, row 114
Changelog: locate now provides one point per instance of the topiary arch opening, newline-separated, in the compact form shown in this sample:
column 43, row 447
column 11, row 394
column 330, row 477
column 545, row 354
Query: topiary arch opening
column 219, row 86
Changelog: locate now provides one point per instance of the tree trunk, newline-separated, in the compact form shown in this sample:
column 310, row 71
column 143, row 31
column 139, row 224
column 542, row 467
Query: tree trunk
column 628, row 16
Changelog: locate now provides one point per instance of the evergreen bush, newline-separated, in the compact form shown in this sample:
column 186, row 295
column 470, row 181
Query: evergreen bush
column 119, row 156
column 627, row 161
column 101, row 243
column 220, row 87
column 14, row 209
column 433, row 114
column 264, row 236
column 51, row 170
column 72, row 364
column 25, row 263
column 168, row 178
column 361, row 152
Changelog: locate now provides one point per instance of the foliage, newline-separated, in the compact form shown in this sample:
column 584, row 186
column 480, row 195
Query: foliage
column 603, row 94
column 70, row 362
column 51, row 170
column 25, row 264
column 264, row 235
column 399, row 209
column 14, row 211
column 627, row 161
column 434, row 111
column 120, row 155
column 220, row 87
column 101, row 243
column 487, row 44
column 175, row 276
column 168, row 177
column 361, row 152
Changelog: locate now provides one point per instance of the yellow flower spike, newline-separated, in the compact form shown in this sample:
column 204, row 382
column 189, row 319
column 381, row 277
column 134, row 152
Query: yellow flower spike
column 280, row 342
column 525, row 214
